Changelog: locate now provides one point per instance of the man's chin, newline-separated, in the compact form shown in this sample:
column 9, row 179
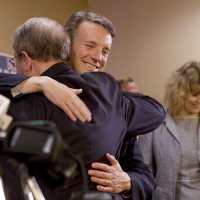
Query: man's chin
column 21, row 73
column 81, row 71
column 86, row 69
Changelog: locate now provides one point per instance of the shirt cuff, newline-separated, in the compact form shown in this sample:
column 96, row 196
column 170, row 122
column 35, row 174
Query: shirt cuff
column 127, row 196
column 16, row 90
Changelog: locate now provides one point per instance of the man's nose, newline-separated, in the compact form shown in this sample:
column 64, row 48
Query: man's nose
column 97, row 55
column 198, row 98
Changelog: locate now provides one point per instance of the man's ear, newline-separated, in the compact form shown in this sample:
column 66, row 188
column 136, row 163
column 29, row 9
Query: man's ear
column 28, row 61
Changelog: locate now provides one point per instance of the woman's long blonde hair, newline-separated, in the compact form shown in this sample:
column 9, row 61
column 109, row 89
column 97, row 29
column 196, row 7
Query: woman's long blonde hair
column 184, row 80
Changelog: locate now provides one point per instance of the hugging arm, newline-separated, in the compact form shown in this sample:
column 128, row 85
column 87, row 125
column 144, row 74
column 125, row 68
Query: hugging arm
column 8, row 81
column 64, row 97
column 143, row 113
column 129, row 176
column 142, row 180
column 110, row 178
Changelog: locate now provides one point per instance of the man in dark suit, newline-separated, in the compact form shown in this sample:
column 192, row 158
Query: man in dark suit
column 113, row 114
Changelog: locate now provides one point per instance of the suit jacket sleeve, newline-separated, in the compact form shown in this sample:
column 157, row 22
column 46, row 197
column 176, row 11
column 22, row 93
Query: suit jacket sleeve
column 132, row 162
column 8, row 81
column 143, row 113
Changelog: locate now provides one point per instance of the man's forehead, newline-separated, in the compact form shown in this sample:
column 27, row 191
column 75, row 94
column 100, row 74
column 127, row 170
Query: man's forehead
column 89, row 24
column 94, row 33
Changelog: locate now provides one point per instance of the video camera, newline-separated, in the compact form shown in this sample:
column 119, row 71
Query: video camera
column 36, row 145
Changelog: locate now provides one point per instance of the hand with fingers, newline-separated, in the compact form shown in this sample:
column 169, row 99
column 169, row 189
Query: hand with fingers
column 62, row 96
column 110, row 178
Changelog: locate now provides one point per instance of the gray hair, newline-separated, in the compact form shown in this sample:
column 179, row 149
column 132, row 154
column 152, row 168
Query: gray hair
column 42, row 39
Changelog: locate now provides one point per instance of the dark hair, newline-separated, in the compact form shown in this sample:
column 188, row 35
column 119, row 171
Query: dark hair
column 81, row 16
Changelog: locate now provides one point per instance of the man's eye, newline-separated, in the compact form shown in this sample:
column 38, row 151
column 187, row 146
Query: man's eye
column 89, row 45
column 106, row 52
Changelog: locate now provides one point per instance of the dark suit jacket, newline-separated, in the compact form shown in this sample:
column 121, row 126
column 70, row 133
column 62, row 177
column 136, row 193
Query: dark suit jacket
column 113, row 114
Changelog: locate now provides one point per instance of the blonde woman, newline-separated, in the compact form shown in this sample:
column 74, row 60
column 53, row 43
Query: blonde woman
column 173, row 149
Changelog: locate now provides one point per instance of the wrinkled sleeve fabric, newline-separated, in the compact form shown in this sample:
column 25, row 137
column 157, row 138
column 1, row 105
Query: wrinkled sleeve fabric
column 8, row 81
column 142, row 180
column 143, row 113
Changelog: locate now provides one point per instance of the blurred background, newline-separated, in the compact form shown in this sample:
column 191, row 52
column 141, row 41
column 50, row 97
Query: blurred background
column 153, row 37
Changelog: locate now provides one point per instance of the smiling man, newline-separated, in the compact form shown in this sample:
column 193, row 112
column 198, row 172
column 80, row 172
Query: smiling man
column 90, row 49
column 125, row 174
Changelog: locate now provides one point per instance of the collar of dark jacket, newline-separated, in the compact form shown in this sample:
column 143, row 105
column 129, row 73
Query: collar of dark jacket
column 56, row 69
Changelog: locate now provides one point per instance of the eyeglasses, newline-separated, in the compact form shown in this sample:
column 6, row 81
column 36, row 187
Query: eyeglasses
column 12, row 61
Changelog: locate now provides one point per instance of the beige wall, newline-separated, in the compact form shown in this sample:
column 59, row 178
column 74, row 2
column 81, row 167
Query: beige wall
column 15, row 12
column 154, row 37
